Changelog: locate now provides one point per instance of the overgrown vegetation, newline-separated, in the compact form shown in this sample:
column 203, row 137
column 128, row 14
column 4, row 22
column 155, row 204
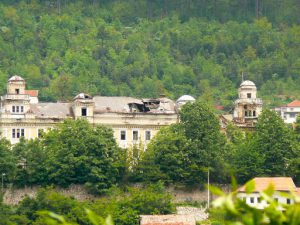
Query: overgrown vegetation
column 146, row 48
column 124, row 206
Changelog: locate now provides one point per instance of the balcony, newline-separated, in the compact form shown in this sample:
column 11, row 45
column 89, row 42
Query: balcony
column 256, row 101
column 16, row 97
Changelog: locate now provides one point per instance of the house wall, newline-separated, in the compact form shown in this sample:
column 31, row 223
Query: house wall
column 253, row 199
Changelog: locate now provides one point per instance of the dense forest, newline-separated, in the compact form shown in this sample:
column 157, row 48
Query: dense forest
column 146, row 48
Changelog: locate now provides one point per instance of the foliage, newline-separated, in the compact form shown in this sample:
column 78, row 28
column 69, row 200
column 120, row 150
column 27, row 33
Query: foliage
column 7, row 161
column 182, row 153
column 272, row 150
column 124, row 206
column 147, row 48
column 229, row 209
column 75, row 152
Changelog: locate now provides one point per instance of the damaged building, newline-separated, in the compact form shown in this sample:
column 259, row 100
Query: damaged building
column 247, row 107
column 134, row 121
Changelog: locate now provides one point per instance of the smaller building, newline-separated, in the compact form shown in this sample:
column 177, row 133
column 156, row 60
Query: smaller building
column 280, row 185
column 247, row 107
column 167, row 219
column 289, row 112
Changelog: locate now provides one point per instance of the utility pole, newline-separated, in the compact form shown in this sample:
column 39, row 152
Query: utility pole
column 3, row 174
column 208, row 194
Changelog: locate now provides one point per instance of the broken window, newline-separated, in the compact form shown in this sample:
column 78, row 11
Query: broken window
column 135, row 135
column 83, row 111
column 123, row 135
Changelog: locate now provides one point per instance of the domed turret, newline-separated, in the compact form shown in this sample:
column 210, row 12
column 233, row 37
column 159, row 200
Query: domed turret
column 16, row 85
column 247, row 107
column 247, row 90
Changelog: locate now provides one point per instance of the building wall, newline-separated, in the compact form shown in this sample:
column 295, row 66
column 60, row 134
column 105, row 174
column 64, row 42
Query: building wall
column 253, row 199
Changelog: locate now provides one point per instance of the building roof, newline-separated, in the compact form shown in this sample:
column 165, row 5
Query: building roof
column 32, row 93
column 51, row 109
column 295, row 103
column 168, row 220
column 123, row 104
column 279, row 184
column 16, row 78
column 247, row 83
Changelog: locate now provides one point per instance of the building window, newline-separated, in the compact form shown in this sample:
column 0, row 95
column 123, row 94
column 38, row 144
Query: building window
column 17, row 91
column 254, row 113
column 21, row 108
column 259, row 199
column 246, row 113
column 123, row 135
column 288, row 201
column 17, row 133
column 135, row 135
column 248, row 95
column 13, row 108
column 147, row 135
column 252, row 200
column 83, row 111
column 276, row 199
column 17, row 109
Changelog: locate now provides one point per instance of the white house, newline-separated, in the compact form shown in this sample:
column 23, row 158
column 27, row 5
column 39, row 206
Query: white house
column 289, row 112
column 280, row 184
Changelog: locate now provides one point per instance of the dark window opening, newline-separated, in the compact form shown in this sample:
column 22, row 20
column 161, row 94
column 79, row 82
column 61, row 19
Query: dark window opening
column 246, row 113
column 123, row 135
column 288, row 201
column 83, row 111
column 21, row 109
column 13, row 109
column 17, row 133
column 135, row 135
column 252, row 200
column 254, row 113
column 17, row 109
column 248, row 95
column 148, row 135
column 17, row 91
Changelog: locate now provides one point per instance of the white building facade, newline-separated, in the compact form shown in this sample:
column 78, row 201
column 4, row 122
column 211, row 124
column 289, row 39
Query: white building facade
column 134, row 121
column 289, row 112
column 281, row 185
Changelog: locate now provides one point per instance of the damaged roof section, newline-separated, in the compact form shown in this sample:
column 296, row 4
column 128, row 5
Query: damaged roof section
column 133, row 105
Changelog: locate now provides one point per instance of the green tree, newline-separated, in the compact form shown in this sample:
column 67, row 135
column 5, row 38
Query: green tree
column 79, row 153
column 7, row 162
column 275, row 143
column 202, row 127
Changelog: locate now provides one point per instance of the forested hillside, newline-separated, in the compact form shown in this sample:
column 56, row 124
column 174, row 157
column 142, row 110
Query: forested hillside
column 146, row 48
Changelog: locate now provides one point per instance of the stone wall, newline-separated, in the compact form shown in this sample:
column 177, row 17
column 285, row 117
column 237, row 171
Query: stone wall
column 14, row 196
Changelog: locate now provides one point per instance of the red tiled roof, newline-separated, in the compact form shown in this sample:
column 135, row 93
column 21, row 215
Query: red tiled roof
column 32, row 93
column 219, row 107
column 167, row 220
column 279, row 184
column 295, row 103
